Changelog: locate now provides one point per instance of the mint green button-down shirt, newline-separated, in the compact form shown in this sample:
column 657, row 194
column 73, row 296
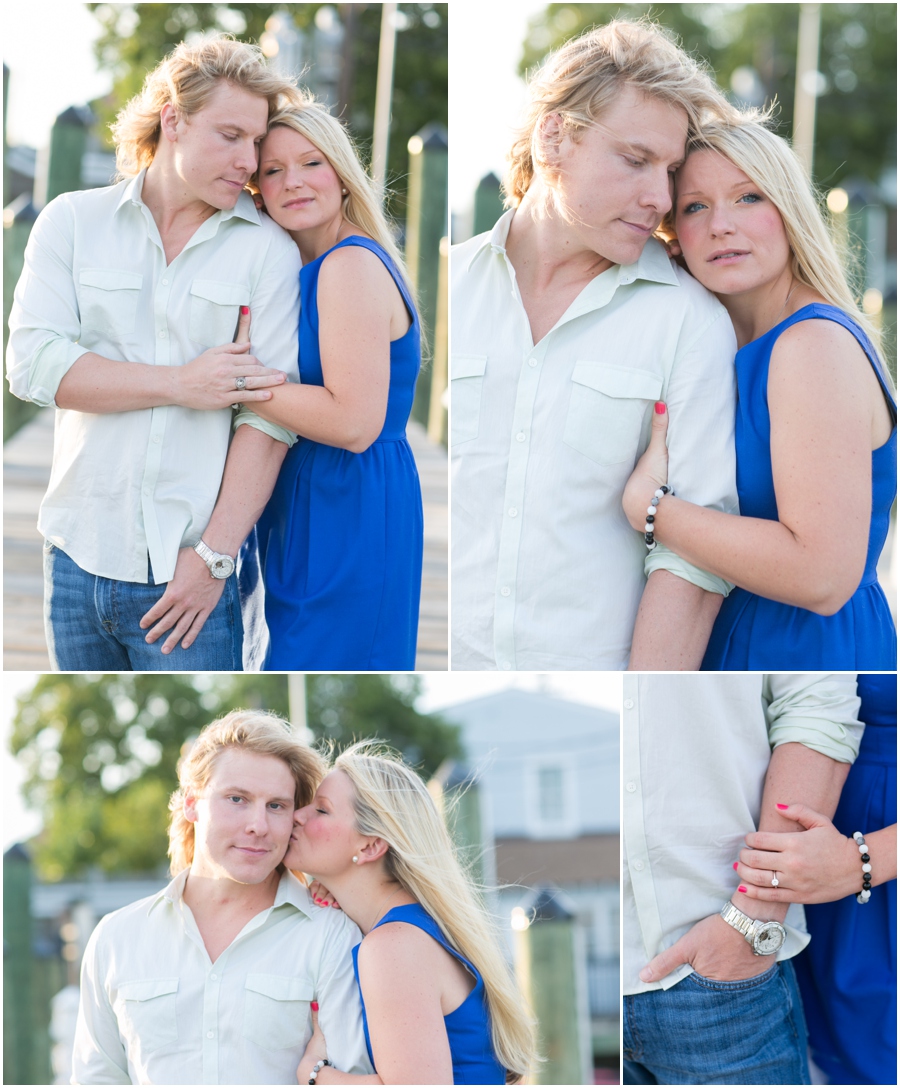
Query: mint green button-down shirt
column 129, row 486
column 155, row 1010
column 547, row 572
column 695, row 750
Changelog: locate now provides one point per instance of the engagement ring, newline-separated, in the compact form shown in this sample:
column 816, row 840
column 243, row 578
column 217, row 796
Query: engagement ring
column 239, row 383
column 774, row 880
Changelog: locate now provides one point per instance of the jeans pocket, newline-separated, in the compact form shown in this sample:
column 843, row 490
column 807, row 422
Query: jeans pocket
column 607, row 407
column 736, row 984
column 108, row 301
column 214, row 311
column 147, row 1013
column 466, row 380
column 276, row 1010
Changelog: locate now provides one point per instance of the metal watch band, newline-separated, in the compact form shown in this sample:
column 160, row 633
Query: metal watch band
column 743, row 923
column 213, row 560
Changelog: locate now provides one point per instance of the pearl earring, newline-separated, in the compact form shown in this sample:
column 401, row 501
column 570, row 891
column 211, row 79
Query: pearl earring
column 344, row 191
column 355, row 859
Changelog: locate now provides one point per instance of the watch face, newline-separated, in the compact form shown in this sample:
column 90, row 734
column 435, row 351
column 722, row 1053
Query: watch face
column 769, row 939
column 222, row 567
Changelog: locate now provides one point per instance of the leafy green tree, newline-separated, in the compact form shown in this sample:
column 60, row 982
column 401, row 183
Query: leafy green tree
column 856, row 114
column 100, row 752
column 137, row 36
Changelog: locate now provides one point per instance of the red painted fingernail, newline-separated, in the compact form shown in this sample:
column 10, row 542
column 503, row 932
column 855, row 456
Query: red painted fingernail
column 314, row 1005
column 741, row 888
column 659, row 407
column 734, row 866
column 782, row 806
column 245, row 310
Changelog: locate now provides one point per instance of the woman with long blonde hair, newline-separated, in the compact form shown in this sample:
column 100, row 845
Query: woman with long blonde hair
column 340, row 542
column 816, row 437
column 440, row 1005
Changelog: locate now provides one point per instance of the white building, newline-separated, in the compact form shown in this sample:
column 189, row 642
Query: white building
column 547, row 772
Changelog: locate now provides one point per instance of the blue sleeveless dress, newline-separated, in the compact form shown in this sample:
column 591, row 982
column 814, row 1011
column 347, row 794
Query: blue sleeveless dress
column 848, row 972
column 468, row 1027
column 752, row 632
column 340, row 541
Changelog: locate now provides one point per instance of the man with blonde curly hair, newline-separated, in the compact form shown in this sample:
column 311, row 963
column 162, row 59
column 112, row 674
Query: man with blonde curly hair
column 568, row 322
column 211, row 980
column 124, row 319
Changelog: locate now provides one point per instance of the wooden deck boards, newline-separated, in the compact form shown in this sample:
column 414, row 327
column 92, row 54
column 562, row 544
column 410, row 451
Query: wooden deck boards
column 26, row 471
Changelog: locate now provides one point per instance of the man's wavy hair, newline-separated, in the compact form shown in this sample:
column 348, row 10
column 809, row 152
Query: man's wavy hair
column 249, row 731
column 187, row 78
column 581, row 79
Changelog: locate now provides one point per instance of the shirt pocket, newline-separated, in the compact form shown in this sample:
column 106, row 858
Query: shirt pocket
column 108, row 301
column 466, row 380
column 606, row 410
column 276, row 1010
column 214, row 311
column 146, row 1012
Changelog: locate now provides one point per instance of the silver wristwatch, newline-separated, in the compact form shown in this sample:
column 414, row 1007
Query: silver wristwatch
column 220, row 566
column 765, row 938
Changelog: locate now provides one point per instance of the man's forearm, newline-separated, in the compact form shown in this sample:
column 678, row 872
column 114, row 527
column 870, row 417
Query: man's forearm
column 796, row 775
column 254, row 460
column 97, row 385
column 673, row 624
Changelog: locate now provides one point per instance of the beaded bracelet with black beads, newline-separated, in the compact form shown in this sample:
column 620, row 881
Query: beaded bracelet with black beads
column 865, row 894
column 651, row 514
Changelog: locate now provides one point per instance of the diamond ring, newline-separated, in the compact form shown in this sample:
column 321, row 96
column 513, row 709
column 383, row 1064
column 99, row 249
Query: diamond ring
column 240, row 383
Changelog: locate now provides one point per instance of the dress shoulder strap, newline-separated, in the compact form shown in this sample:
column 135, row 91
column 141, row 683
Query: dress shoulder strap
column 827, row 312
column 414, row 914
column 379, row 251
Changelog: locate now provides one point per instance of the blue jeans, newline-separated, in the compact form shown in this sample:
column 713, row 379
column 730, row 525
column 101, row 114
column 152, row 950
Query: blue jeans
column 92, row 624
column 702, row 1031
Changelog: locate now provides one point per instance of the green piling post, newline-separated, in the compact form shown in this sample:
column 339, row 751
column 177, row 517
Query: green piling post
column 18, row 219
column 437, row 408
column 6, row 185
column 18, row 968
column 426, row 225
column 68, row 139
column 455, row 788
column 548, row 969
column 488, row 204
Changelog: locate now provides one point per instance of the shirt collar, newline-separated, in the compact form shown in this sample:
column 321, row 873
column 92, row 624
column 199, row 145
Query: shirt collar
column 290, row 890
column 653, row 264
column 245, row 208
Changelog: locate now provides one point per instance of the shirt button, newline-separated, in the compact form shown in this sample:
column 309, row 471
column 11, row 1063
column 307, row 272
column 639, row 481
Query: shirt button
column 214, row 977
column 210, row 1035
column 532, row 362
column 504, row 591
column 165, row 283
column 629, row 703
column 512, row 511
column 630, row 786
column 156, row 442
column 520, row 437
column 162, row 335
column 505, row 665
column 639, row 865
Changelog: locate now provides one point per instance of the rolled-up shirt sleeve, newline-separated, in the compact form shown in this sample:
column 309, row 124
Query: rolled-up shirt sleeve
column 98, row 1054
column 45, row 323
column 274, row 316
column 818, row 710
column 700, row 397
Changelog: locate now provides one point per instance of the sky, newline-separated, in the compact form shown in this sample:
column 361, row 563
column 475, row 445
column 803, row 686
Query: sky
column 486, row 94
column 52, row 71
column 440, row 690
